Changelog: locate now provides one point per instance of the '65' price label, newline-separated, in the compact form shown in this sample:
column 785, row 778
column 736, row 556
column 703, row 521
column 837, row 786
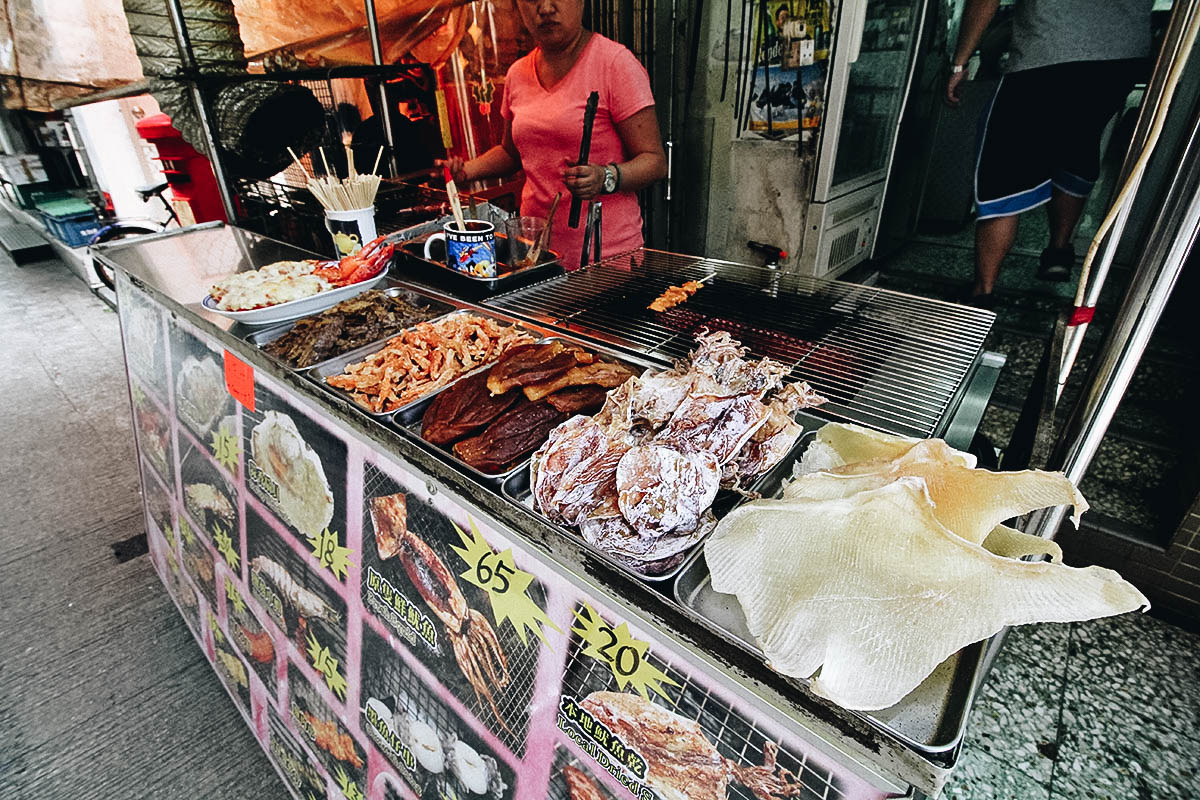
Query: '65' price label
column 625, row 655
column 507, row 587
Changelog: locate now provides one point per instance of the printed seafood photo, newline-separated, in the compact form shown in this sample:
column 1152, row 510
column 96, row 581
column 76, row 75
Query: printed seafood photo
column 152, row 427
column 412, row 584
column 304, row 608
column 301, row 773
column 198, row 561
column 572, row 778
column 297, row 469
column 690, row 743
column 335, row 747
column 435, row 752
column 230, row 667
column 210, row 502
column 178, row 586
column 158, row 503
column 142, row 334
column 252, row 638
column 202, row 402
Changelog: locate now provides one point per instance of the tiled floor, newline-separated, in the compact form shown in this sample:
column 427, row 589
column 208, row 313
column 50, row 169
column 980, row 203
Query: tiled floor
column 106, row 695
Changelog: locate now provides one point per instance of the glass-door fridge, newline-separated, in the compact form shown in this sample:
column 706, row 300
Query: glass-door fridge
column 870, row 76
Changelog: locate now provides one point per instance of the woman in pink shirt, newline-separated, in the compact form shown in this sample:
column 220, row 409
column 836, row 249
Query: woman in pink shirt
column 544, row 98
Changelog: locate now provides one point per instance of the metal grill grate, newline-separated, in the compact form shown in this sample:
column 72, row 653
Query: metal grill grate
column 882, row 358
column 737, row 739
column 514, row 700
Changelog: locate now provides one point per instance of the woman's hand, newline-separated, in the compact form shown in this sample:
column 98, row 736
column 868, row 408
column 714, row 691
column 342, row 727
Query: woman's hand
column 458, row 169
column 584, row 182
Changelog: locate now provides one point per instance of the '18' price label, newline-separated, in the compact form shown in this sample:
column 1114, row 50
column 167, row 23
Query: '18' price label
column 625, row 655
column 507, row 587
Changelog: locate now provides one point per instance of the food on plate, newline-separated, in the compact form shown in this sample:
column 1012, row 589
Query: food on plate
column 424, row 358
column 601, row 373
column 681, row 762
column 301, row 601
column 304, row 496
column 389, row 517
column 494, row 419
column 154, row 435
column 895, row 564
column 285, row 281
column 330, row 738
column 637, row 479
column 675, row 295
column 209, row 504
column 511, row 437
column 472, row 638
column 257, row 644
column 426, row 745
column 200, row 390
column 580, row 786
column 463, row 409
column 533, row 363
column 470, row 768
column 352, row 323
column 234, row 666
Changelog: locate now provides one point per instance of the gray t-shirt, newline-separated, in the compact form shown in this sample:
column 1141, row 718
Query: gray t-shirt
column 1057, row 31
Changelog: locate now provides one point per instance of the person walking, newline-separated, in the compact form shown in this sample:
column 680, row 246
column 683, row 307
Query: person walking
column 1071, row 65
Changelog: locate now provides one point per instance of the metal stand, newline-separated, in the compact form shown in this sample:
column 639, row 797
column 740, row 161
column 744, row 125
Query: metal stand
column 377, row 58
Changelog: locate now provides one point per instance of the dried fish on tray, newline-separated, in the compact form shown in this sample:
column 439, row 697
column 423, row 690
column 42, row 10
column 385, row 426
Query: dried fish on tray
column 638, row 481
column 420, row 360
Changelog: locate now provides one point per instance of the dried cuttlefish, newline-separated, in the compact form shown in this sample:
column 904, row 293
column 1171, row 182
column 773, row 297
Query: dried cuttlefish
column 874, row 591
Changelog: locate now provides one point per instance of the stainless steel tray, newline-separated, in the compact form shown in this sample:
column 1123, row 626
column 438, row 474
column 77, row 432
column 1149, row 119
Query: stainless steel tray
column 261, row 337
column 411, row 417
column 336, row 366
column 931, row 719
column 410, row 260
column 516, row 488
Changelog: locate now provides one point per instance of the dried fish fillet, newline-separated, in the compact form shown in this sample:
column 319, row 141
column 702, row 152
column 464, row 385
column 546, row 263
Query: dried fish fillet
column 875, row 592
column 841, row 443
column 970, row 502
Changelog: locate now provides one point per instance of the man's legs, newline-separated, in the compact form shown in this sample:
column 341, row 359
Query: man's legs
column 1064, row 211
column 994, row 237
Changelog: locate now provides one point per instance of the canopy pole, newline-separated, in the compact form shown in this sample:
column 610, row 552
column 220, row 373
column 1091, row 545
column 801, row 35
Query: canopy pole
column 179, row 26
column 377, row 59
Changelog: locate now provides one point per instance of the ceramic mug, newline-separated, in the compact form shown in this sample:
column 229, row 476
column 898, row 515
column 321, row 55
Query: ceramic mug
column 350, row 229
column 471, row 250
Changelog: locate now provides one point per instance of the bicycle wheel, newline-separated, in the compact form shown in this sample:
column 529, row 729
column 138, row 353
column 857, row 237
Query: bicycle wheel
column 113, row 233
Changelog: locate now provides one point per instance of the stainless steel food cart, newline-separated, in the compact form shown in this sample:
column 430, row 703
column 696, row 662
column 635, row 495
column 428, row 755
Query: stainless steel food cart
column 357, row 685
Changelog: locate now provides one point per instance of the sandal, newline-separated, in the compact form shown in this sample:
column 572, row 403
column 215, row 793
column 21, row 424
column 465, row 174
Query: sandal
column 1056, row 264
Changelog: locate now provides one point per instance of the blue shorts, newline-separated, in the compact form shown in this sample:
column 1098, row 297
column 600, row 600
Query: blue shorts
column 1042, row 130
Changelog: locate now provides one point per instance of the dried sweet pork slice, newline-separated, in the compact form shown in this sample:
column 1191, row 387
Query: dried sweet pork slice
column 841, row 443
column 718, row 425
column 970, row 502
column 529, row 363
column 875, row 592
column 601, row 373
column 661, row 490
column 463, row 409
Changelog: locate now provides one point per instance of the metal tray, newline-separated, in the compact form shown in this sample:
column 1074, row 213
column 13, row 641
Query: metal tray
column 336, row 366
column 410, row 259
column 516, row 488
column 931, row 719
column 261, row 337
column 411, row 416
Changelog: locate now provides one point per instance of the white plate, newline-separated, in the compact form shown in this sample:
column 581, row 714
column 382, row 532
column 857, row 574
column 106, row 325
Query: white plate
column 295, row 309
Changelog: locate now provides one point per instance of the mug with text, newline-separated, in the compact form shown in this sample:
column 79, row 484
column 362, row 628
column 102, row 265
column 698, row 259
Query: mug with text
column 471, row 249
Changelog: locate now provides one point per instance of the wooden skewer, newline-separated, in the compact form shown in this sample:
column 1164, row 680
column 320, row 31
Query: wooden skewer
column 455, row 205
column 379, row 155
column 532, row 257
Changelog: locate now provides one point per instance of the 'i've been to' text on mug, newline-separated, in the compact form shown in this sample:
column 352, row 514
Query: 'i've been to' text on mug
column 471, row 249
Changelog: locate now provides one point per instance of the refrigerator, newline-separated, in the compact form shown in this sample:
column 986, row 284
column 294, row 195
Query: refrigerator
column 870, row 75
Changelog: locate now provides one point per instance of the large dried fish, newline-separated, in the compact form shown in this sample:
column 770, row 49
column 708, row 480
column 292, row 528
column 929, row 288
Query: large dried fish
column 841, row 443
column 875, row 592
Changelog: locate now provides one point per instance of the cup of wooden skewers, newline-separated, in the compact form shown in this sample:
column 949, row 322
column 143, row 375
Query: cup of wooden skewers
column 349, row 202
column 350, row 229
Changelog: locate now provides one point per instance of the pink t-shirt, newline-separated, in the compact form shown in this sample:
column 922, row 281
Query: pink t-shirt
column 547, row 125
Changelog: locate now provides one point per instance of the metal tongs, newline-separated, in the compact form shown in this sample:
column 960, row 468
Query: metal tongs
column 591, row 235
column 585, row 148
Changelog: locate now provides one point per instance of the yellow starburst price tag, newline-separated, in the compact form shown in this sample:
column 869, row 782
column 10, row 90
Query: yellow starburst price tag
column 329, row 552
column 625, row 655
column 234, row 598
column 185, row 530
column 346, row 785
column 226, row 547
column 507, row 587
column 226, row 449
column 324, row 662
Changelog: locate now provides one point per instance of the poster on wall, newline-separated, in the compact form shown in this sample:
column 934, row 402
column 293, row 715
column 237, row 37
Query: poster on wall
column 785, row 100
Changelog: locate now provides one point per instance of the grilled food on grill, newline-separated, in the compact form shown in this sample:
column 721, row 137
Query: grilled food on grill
column 352, row 323
column 515, row 434
column 675, row 295
column 463, row 409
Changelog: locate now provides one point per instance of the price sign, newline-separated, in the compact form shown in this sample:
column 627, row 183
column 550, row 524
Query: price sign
column 625, row 655
column 507, row 587
column 239, row 380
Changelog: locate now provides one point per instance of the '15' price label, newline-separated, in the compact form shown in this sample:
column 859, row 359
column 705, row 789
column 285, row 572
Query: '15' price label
column 625, row 655
column 507, row 587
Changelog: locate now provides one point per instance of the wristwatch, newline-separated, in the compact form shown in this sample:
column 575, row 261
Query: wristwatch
column 610, row 178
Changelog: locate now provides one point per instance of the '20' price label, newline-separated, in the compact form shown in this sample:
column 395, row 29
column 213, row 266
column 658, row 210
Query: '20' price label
column 626, row 656
column 507, row 587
